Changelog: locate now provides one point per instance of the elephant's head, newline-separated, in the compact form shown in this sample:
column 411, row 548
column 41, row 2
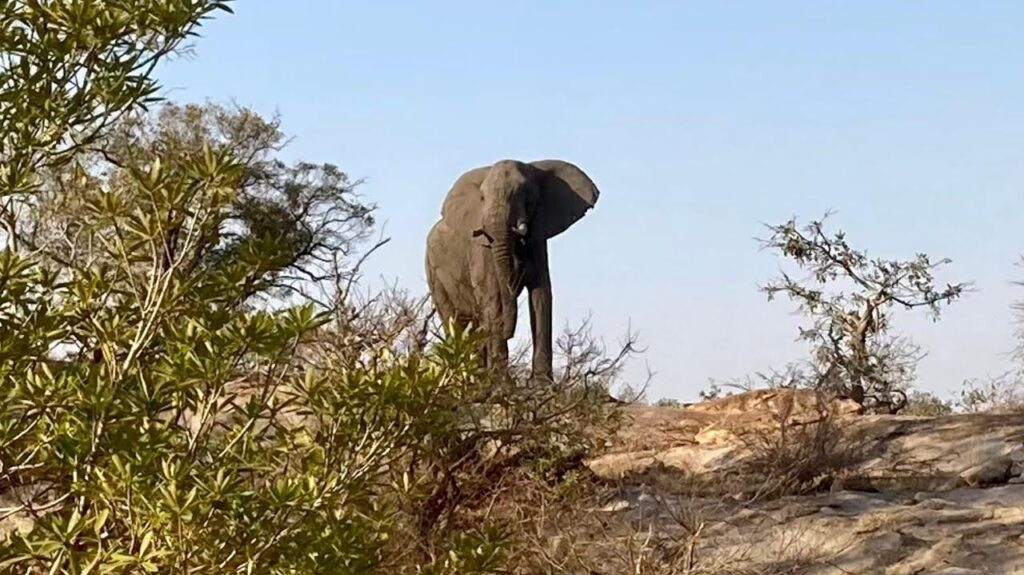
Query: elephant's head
column 528, row 202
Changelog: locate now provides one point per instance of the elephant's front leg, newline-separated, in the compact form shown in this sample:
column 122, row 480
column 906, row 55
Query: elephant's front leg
column 540, row 312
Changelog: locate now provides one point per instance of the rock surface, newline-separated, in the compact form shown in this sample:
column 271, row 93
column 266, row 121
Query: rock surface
column 919, row 495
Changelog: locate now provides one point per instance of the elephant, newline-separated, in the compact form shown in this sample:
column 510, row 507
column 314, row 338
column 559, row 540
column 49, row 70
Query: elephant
column 491, row 243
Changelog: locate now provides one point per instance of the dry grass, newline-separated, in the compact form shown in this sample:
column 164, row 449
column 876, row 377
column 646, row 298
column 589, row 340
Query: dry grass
column 663, row 536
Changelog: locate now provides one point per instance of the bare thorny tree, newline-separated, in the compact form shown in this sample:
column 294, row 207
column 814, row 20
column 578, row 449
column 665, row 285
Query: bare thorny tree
column 849, row 297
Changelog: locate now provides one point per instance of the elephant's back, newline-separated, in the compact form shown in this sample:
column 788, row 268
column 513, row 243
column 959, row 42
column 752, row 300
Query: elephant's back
column 438, row 240
column 450, row 241
column 448, row 269
column 462, row 204
column 450, row 245
column 446, row 252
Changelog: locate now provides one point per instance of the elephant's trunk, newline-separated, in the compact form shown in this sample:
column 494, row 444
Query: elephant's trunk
column 501, row 247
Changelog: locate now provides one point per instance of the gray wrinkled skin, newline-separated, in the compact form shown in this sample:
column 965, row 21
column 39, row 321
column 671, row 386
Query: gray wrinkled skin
column 491, row 244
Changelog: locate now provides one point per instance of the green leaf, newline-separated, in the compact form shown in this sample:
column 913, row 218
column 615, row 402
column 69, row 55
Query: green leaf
column 100, row 520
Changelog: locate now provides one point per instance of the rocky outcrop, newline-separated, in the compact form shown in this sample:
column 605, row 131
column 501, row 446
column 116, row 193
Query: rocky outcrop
column 969, row 450
column 913, row 495
column 964, row 530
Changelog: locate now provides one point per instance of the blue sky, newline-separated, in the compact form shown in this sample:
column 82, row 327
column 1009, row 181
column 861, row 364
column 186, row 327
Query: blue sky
column 699, row 121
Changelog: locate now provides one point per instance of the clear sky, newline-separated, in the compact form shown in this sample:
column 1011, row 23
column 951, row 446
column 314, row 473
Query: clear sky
column 699, row 121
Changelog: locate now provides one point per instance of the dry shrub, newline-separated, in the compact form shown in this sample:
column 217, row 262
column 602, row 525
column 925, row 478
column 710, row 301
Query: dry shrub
column 926, row 404
column 786, row 453
column 999, row 394
column 575, row 527
column 795, row 458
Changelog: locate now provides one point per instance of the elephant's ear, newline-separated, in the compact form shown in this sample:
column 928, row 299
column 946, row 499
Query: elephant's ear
column 566, row 193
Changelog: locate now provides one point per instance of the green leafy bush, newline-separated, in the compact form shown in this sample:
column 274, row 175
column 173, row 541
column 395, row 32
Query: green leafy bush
column 189, row 380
